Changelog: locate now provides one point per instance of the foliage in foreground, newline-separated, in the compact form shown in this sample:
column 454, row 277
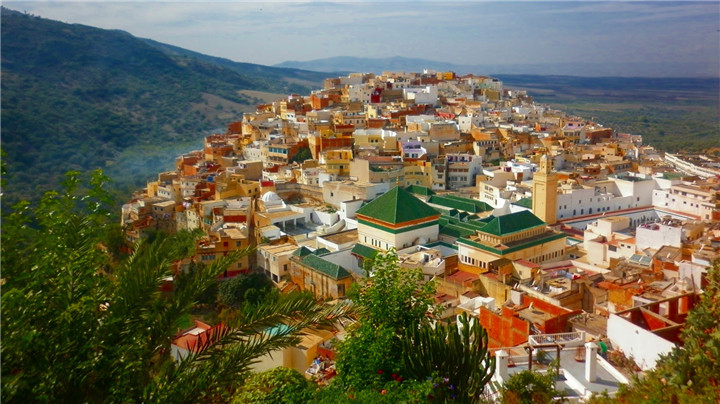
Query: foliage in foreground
column 278, row 385
column 390, row 301
column 77, row 327
column 459, row 357
column 397, row 349
column 690, row 374
column 528, row 387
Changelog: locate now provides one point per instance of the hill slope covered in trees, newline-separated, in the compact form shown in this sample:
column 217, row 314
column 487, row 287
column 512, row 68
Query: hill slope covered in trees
column 77, row 97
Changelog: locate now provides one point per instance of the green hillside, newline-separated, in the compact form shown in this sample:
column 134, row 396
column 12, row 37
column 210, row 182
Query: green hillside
column 77, row 98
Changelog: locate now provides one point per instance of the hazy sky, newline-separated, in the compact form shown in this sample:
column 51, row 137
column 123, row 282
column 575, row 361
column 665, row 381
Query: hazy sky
column 685, row 35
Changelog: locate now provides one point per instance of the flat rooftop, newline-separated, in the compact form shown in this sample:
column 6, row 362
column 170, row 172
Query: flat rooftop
column 572, row 380
column 343, row 237
column 286, row 248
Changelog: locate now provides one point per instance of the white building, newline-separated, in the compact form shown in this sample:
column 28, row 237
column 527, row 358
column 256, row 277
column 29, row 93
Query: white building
column 462, row 169
column 422, row 95
column 690, row 199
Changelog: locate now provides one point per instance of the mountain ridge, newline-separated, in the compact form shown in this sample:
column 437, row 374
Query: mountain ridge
column 574, row 69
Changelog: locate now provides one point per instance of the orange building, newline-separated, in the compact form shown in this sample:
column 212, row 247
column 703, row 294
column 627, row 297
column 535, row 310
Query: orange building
column 514, row 323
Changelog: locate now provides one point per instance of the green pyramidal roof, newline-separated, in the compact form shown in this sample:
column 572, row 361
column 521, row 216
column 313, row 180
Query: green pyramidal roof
column 514, row 222
column 525, row 203
column 333, row 270
column 302, row 251
column 397, row 206
column 419, row 190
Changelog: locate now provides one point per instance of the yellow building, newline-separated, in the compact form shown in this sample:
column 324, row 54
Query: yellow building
column 234, row 185
column 222, row 242
column 418, row 173
column 337, row 161
column 298, row 357
column 324, row 279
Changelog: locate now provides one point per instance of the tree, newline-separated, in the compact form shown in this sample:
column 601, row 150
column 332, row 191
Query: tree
column 250, row 288
column 393, row 296
column 389, row 301
column 528, row 387
column 455, row 354
column 77, row 327
column 392, row 392
column 302, row 155
column 278, row 385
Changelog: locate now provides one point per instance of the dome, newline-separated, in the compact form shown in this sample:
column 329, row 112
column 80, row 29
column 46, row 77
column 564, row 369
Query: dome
column 270, row 196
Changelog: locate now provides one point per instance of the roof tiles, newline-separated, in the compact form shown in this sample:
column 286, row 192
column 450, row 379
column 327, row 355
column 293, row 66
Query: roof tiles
column 397, row 206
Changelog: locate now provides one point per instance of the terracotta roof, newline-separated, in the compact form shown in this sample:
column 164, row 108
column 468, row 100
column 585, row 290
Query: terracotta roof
column 196, row 338
column 462, row 276
column 397, row 206
column 527, row 263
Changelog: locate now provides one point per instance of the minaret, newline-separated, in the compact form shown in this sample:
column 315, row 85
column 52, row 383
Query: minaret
column 544, row 196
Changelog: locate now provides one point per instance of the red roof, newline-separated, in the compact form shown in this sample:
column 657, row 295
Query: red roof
column 527, row 263
column 195, row 338
column 462, row 276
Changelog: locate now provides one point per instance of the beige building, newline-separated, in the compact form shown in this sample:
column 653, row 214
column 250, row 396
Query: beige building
column 544, row 200
column 274, row 260
column 514, row 236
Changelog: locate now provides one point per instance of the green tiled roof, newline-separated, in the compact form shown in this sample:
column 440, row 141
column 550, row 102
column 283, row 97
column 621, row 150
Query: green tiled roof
column 454, row 230
column 364, row 251
column 321, row 251
column 302, row 251
column 334, row 271
column 397, row 206
column 525, row 203
column 512, row 223
column 418, row 190
column 516, row 246
column 457, row 202
column 484, row 207
column 442, row 243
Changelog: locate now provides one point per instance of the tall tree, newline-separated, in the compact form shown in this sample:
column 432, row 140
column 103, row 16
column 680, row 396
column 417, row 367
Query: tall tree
column 77, row 328
column 457, row 354
column 389, row 301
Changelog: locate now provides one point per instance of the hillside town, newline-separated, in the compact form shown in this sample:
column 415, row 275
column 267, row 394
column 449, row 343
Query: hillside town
column 559, row 235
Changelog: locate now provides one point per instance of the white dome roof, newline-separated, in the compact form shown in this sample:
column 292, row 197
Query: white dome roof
column 270, row 196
